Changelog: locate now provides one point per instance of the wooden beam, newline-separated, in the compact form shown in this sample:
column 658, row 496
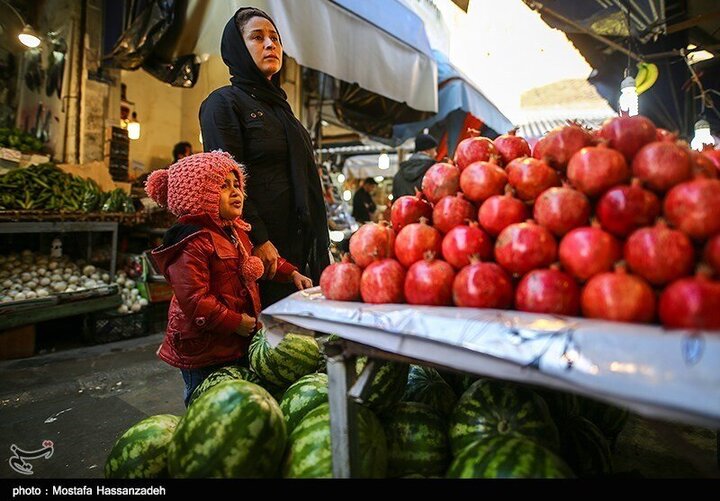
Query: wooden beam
column 694, row 21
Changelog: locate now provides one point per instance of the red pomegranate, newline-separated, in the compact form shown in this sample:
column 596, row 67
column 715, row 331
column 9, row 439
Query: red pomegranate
column 559, row 145
column 703, row 166
column 383, row 282
column 596, row 169
column 429, row 282
column 561, row 210
column 587, row 251
column 624, row 209
column 523, row 247
column 691, row 303
column 511, row 146
column 415, row 240
column 474, row 149
column 372, row 241
column 665, row 135
column 713, row 155
column 482, row 285
column 694, row 207
column 409, row 209
column 628, row 134
column 662, row 165
column 341, row 281
column 440, row 180
column 712, row 253
column 548, row 291
column 530, row 177
column 481, row 180
column 452, row 211
column 659, row 254
column 462, row 242
column 618, row 296
column 499, row 212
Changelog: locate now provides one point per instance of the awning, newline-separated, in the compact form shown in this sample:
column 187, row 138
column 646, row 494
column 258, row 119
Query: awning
column 350, row 40
column 456, row 92
column 535, row 128
column 364, row 166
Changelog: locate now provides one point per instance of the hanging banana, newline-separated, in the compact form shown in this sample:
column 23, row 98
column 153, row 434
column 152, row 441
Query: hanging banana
column 646, row 77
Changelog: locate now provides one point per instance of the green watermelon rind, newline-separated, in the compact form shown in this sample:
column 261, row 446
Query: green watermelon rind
column 235, row 430
column 425, row 385
column 388, row 385
column 294, row 357
column 142, row 450
column 585, row 448
column 507, row 456
column 303, row 396
column 229, row 373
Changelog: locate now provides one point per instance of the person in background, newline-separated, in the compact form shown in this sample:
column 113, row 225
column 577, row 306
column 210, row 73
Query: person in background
column 414, row 168
column 207, row 259
column 363, row 204
column 252, row 120
column 182, row 150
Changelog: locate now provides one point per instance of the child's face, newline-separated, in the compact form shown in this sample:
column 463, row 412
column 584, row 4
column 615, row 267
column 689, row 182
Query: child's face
column 231, row 198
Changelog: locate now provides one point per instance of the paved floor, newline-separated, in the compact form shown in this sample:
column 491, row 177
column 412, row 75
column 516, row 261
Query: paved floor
column 83, row 399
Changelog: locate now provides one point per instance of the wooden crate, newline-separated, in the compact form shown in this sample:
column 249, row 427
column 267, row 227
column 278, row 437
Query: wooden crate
column 17, row 343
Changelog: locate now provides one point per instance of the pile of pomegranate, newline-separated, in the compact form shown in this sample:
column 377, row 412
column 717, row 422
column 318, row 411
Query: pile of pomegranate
column 621, row 224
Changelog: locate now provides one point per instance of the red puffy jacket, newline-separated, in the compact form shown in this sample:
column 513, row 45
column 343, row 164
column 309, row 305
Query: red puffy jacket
column 210, row 295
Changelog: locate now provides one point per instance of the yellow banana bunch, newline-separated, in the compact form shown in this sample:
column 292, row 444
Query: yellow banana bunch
column 646, row 77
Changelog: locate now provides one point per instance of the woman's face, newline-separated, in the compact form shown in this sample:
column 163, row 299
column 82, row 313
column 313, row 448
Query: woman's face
column 231, row 198
column 263, row 43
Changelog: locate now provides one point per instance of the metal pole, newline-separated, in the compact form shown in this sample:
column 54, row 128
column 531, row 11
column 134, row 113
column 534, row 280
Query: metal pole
column 343, row 430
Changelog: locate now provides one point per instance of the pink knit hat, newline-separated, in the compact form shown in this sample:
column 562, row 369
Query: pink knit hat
column 192, row 185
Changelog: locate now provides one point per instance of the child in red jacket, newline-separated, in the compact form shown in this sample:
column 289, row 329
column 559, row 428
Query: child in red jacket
column 207, row 258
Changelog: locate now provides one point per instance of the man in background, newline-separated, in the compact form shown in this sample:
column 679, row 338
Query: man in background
column 363, row 204
column 414, row 168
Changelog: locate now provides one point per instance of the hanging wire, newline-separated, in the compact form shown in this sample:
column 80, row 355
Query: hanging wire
column 706, row 101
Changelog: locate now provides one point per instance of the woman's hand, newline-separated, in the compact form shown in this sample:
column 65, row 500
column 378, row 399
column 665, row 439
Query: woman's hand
column 247, row 326
column 301, row 281
column 268, row 254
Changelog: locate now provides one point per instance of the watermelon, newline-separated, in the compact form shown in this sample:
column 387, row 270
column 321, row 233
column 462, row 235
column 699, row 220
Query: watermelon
column 562, row 405
column 507, row 456
column 235, row 429
column 425, row 385
column 302, row 397
column 610, row 419
column 457, row 381
column 309, row 453
column 585, row 448
column 142, row 451
column 294, row 357
column 388, row 385
column 417, row 441
column 229, row 373
column 491, row 408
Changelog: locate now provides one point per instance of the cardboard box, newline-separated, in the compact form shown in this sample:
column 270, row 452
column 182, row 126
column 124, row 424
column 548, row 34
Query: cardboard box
column 17, row 343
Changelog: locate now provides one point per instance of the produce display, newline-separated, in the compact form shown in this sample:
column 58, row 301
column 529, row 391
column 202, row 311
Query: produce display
column 47, row 187
column 626, row 227
column 235, row 428
column 19, row 140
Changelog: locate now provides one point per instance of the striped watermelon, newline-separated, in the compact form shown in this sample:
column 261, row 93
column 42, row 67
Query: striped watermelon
column 425, row 385
column 610, row 419
column 309, row 453
column 234, row 430
column 457, row 381
column 229, row 373
column 417, row 441
column 490, row 408
column 302, row 397
column 507, row 456
column 562, row 405
column 281, row 366
column 585, row 448
column 388, row 385
column 142, row 451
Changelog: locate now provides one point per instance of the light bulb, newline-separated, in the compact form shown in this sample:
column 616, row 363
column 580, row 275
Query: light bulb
column 347, row 195
column 133, row 127
column 702, row 135
column 383, row 161
column 28, row 37
column 628, row 103
column 379, row 179
column 337, row 236
column 341, row 178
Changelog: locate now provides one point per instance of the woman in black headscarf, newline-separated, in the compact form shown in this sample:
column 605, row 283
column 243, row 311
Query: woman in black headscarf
column 252, row 120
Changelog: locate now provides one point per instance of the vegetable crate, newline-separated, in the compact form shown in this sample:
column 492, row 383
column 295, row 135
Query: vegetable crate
column 109, row 326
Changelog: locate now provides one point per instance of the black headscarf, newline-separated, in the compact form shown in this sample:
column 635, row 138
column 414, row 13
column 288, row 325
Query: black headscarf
column 309, row 201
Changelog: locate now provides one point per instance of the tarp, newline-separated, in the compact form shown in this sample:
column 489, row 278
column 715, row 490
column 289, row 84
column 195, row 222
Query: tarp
column 332, row 38
column 658, row 373
column 456, row 92
column 364, row 166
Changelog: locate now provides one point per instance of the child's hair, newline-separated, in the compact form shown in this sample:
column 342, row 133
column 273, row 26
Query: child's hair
column 192, row 185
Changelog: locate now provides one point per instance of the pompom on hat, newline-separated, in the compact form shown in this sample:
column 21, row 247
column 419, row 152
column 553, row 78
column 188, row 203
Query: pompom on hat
column 192, row 185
